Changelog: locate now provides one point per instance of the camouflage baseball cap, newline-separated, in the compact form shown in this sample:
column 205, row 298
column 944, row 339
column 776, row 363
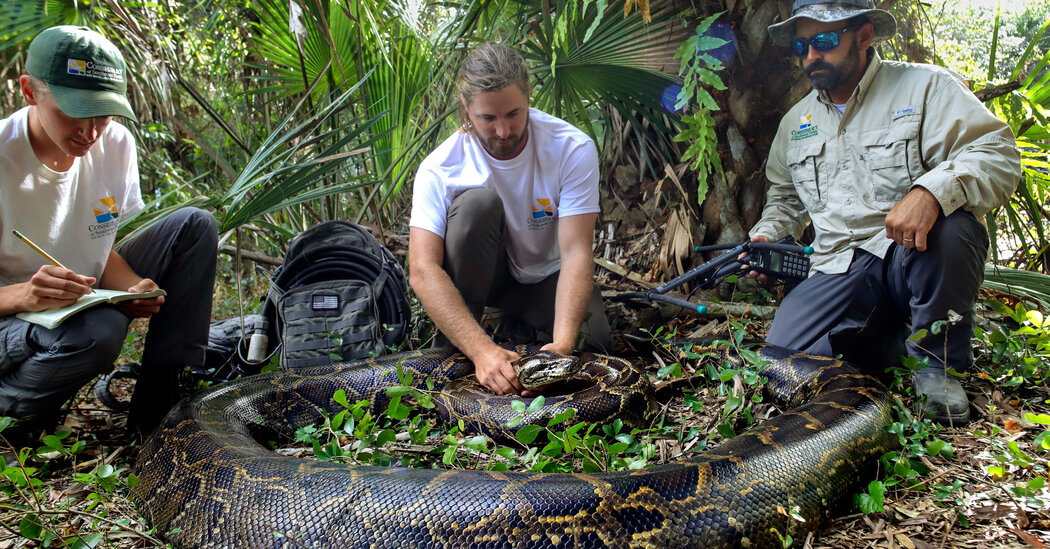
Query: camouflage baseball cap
column 85, row 73
column 826, row 12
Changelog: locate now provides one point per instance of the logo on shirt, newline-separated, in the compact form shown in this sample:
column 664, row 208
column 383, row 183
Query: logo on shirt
column 806, row 128
column 542, row 214
column 76, row 66
column 904, row 112
column 106, row 209
column 544, row 210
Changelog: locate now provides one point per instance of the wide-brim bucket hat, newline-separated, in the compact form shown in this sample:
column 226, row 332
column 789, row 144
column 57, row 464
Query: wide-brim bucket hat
column 826, row 12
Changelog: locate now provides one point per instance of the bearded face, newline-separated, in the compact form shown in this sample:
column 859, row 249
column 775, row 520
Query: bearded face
column 829, row 75
column 500, row 121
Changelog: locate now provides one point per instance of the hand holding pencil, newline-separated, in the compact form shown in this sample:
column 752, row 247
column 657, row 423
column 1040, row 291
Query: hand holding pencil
column 53, row 285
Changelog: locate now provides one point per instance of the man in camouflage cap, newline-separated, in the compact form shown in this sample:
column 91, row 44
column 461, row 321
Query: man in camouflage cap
column 894, row 164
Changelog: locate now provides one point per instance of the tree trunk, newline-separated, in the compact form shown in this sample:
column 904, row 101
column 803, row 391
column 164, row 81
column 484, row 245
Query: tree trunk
column 763, row 81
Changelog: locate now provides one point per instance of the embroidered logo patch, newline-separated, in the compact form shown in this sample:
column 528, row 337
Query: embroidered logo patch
column 806, row 128
column 94, row 70
column 107, row 210
column 798, row 135
column 76, row 66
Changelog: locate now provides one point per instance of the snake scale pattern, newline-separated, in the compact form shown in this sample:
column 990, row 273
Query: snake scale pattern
column 206, row 481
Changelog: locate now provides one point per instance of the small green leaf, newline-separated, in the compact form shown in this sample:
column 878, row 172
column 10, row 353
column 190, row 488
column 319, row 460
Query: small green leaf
column 536, row 404
column 727, row 374
column 396, row 410
column 673, row 370
column 527, row 434
column 1042, row 419
column 30, row 527
column 561, row 417
column 397, row 390
column 477, row 443
column 872, row 502
column 385, row 436
column 553, row 448
column 337, row 421
column 340, row 397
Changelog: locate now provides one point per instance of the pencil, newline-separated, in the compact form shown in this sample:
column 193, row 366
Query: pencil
column 38, row 250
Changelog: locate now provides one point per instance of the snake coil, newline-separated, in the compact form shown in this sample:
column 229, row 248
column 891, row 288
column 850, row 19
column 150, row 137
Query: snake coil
column 205, row 481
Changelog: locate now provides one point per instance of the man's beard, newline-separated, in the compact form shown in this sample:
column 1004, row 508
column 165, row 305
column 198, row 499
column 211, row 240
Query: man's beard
column 834, row 76
column 503, row 148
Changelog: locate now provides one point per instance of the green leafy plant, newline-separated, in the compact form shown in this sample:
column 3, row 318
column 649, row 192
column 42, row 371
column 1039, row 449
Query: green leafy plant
column 697, row 69
column 31, row 510
column 601, row 70
column 1018, row 355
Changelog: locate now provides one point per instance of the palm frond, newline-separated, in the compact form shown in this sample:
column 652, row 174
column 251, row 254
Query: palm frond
column 298, row 156
column 585, row 59
column 1026, row 284
column 21, row 21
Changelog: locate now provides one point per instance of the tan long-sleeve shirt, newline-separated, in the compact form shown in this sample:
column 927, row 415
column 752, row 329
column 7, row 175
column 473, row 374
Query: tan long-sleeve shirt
column 905, row 125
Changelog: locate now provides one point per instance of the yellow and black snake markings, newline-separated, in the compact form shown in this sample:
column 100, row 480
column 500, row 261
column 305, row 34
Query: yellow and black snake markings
column 205, row 481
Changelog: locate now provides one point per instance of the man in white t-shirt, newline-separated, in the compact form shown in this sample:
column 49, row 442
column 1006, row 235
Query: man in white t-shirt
column 503, row 214
column 70, row 173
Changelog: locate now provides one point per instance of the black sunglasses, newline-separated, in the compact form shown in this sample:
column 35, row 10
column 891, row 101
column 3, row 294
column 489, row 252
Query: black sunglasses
column 825, row 41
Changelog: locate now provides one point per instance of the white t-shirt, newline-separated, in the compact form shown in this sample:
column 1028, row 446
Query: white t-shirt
column 555, row 175
column 71, row 215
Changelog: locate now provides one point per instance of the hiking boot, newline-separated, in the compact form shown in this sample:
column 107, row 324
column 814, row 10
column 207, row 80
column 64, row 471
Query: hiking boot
column 946, row 402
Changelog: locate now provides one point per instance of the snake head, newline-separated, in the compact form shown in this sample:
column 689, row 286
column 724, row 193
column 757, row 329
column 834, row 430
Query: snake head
column 545, row 367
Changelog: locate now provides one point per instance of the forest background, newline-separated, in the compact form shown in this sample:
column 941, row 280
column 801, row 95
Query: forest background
column 280, row 114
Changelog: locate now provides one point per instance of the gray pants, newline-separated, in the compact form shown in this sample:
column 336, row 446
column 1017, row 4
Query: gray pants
column 476, row 261
column 867, row 313
column 40, row 368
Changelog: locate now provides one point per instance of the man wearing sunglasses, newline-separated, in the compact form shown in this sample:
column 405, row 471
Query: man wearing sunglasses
column 895, row 165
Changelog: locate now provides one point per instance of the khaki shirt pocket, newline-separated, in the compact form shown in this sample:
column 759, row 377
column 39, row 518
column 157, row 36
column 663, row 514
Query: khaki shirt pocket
column 806, row 164
column 891, row 159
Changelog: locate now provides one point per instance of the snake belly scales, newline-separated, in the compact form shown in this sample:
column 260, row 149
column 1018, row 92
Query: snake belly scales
column 205, row 481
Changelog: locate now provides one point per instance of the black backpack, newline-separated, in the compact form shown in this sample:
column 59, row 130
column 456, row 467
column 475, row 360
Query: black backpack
column 339, row 295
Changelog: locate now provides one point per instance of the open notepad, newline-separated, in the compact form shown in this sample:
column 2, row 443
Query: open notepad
column 51, row 318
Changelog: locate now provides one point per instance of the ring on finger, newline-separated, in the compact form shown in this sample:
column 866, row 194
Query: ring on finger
column 909, row 239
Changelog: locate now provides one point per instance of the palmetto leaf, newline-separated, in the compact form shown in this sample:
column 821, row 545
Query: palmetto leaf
column 22, row 20
column 297, row 157
column 1026, row 111
column 1018, row 282
column 584, row 61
